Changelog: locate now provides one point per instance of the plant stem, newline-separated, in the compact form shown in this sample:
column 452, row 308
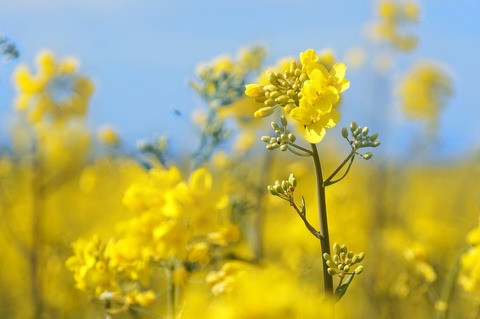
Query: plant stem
column 322, row 214
column 170, row 293
column 328, row 181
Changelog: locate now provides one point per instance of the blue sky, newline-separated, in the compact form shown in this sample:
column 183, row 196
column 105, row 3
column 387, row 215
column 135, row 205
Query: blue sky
column 141, row 54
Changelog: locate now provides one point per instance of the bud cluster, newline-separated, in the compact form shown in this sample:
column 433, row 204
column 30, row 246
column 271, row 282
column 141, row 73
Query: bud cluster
column 284, row 189
column 283, row 90
column 342, row 261
column 361, row 139
column 284, row 136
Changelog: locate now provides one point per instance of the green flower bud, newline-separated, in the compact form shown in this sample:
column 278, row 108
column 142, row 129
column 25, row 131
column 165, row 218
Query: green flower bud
column 340, row 267
column 376, row 143
column 365, row 131
column 281, row 99
column 367, row 156
column 345, row 132
column 270, row 147
column 336, row 248
column 348, row 261
column 373, row 137
column 327, row 256
column 272, row 190
column 350, row 254
column 291, row 137
column 274, row 126
column 266, row 139
column 353, row 126
column 283, row 137
column 354, row 259
column 330, row 263
column 331, row 271
column 285, row 185
column 292, row 180
column 357, row 131
column 358, row 270
column 346, row 268
column 283, row 120
column 343, row 249
column 279, row 189
column 283, row 147
column 269, row 102
column 361, row 256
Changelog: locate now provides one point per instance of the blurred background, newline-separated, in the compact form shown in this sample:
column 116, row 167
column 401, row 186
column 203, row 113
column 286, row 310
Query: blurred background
column 133, row 179
column 157, row 45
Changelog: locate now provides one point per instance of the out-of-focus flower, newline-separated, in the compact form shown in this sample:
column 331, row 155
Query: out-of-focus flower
column 56, row 93
column 424, row 91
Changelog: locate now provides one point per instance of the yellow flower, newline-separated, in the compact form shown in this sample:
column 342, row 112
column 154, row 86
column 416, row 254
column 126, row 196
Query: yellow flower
column 316, row 118
column 56, row 93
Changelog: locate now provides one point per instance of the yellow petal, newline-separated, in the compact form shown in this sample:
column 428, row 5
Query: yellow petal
column 340, row 70
column 314, row 133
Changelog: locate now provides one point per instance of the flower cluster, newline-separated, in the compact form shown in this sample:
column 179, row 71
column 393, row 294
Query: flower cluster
column 56, row 93
column 222, row 81
column 309, row 93
column 342, row 261
column 177, row 223
column 394, row 14
column 424, row 90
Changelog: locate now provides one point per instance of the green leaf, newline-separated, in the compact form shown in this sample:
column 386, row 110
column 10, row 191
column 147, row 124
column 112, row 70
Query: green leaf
column 340, row 291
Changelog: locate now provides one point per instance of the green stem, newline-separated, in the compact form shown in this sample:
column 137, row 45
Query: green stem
column 170, row 293
column 350, row 158
column 449, row 286
column 322, row 214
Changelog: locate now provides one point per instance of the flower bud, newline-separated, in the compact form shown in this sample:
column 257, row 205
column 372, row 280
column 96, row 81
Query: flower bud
column 373, row 137
column 358, row 270
column 283, row 147
column 292, row 180
column 291, row 137
column 274, row 126
column 353, row 126
column 283, row 120
column 365, row 131
column 266, row 139
column 367, row 156
column 336, row 248
column 331, row 271
column 345, row 132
